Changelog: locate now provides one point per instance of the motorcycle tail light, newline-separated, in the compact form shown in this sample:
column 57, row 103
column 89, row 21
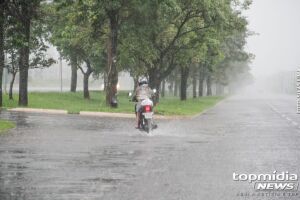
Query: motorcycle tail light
column 147, row 108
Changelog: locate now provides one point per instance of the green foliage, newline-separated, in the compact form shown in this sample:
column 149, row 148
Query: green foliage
column 38, row 49
column 71, row 25
column 155, row 37
column 14, row 38
column 163, row 34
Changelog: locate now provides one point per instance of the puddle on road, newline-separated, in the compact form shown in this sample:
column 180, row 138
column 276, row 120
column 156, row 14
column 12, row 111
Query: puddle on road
column 76, row 163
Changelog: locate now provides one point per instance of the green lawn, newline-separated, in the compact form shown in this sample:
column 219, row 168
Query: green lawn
column 172, row 106
column 6, row 125
column 74, row 102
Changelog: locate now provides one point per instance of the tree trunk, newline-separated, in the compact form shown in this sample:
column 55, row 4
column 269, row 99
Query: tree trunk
column 86, row 76
column 170, row 87
column 11, row 85
column 176, row 85
column 105, row 81
column 135, row 82
column 23, row 80
column 112, row 76
column 183, row 83
column 24, row 57
column 86, row 93
column 208, row 83
column 200, row 87
column 201, row 80
column 194, row 84
column 1, row 48
column 154, row 83
column 176, row 88
column 73, row 73
column 163, row 88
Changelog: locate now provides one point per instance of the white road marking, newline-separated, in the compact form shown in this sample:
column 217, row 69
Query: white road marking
column 284, row 116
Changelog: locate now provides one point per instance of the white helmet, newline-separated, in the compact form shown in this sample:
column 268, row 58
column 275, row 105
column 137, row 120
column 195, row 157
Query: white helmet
column 143, row 81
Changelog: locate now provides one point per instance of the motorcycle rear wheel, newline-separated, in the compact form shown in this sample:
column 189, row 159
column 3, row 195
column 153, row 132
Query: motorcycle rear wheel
column 148, row 125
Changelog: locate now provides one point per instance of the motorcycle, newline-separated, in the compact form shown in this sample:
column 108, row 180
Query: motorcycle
column 146, row 115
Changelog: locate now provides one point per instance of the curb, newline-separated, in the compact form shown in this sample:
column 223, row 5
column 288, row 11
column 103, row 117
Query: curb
column 39, row 110
column 126, row 115
column 106, row 114
column 109, row 114
column 94, row 114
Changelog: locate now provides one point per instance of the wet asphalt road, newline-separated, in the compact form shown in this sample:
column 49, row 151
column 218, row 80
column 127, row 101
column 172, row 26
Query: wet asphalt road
column 73, row 157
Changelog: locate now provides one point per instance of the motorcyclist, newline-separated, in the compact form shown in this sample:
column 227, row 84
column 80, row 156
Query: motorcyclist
column 143, row 91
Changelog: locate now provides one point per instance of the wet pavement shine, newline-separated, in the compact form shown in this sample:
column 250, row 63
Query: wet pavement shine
column 73, row 157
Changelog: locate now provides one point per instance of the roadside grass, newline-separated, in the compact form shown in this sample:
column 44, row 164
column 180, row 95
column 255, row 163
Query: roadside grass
column 6, row 125
column 171, row 106
column 74, row 103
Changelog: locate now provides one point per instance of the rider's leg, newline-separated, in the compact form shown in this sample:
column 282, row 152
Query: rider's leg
column 138, row 115
column 138, row 120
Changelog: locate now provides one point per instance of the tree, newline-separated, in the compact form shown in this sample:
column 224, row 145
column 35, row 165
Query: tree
column 74, row 67
column 38, row 60
column 169, row 26
column 116, row 11
column 216, row 48
column 194, row 79
column 73, row 34
column 24, row 12
column 109, row 17
column 13, row 70
column 86, row 74
column 112, row 11
column 146, row 38
column 2, row 18
column 202, row 75
column 183, row 83
column 16, row 45
column 59, row 16
column 236, row 61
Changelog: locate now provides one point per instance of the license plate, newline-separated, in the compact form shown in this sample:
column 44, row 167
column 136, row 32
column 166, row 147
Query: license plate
column 148, row 115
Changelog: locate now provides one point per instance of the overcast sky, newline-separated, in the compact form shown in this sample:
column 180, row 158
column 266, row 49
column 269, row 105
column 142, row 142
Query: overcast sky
column 277, row 47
